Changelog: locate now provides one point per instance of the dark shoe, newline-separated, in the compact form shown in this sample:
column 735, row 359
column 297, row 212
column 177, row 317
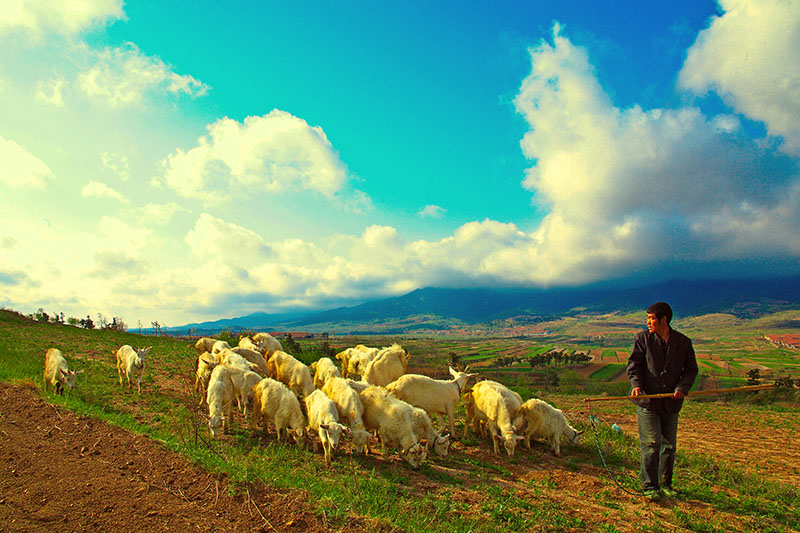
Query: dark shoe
column 669, row 492
column 653, row 494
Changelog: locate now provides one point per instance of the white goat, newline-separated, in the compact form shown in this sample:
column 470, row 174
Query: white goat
column 57, row 372
column 348, row 404
column 219, row 397
column 205, row 364
column 204, row 344
column 267, row 343
column 544, row 420
column 323, row 417
column 228, row 357
column 131, row 361
column 387, row 366
column 253, row 357
column 435, row 396
column 273, row 401
column 218, row 347
column 354, row 360
column 423, row 430
column 357, row 386
column 488, row 402
column 292, row 372
column 324, row 368
column 391, row 418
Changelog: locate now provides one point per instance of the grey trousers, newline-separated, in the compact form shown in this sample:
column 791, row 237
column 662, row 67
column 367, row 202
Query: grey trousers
column 658, row 435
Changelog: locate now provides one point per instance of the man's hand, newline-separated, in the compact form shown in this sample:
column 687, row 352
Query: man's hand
column 678, row 395
column 636, row 391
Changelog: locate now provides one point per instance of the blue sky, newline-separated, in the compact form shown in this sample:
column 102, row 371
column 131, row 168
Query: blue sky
column 181, row 161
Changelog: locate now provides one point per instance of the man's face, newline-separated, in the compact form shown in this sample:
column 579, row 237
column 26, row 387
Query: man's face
column 655, row 325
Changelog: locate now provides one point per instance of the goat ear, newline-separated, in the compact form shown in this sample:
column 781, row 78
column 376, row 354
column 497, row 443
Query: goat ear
column 324, row 426
column 81, row 372
column 466, row 369
column 580, row 432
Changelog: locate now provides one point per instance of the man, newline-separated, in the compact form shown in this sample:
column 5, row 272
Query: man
column 662, row 361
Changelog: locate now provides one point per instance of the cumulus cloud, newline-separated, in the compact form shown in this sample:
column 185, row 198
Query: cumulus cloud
column 117, row 164
column 629, row 188
column 96, row 189
column 67, row 17
column 122, row 76
column 750, row 56
column 432, row 211
column 270, row 153
column 20, row 168
column 212, row 238
column 51, row 92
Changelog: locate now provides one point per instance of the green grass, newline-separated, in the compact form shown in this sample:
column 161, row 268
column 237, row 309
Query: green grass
column 382, row 489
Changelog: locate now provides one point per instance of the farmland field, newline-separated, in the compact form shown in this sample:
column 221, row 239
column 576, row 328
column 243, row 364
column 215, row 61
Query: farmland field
column 105, row 457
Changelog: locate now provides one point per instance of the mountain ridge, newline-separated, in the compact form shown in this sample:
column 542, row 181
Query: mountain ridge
column 743, row 298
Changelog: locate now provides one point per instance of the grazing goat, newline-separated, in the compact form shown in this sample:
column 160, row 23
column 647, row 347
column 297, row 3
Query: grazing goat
column 273, row 401
column 544, row 420
column 391, row 418
column 56, row 372
column 253, row 357
column 131, row 361
column 267, row 343
column 423, row 430
column 323, row 417
column 348, row 404
column 324, row 368
column 219, row 397
column 291, row 372
column 387, row 366
column 436, row 397
column 489, row 402
column 205, row 365
column 204, row 344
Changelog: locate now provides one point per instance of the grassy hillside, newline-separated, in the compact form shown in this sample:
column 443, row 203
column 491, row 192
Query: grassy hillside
column 470, row 490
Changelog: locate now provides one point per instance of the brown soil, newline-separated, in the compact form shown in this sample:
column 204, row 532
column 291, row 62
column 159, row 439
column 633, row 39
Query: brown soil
column 64, row 472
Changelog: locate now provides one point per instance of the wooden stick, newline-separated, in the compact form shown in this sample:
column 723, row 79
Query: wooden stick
column 670, row 394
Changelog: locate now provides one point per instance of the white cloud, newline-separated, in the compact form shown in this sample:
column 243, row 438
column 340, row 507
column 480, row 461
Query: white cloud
column 96, row 189
column 118, row 164
column 272, row 153
column 432, row 211
column 213, row 237
column 750, row 56
column 158, row 213
column 20, row 168
column 62, row 16
column 628, row 189
column 51, row 92
column 122, row 76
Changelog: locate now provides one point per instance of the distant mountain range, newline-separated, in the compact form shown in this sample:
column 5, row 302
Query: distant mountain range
column 439, row 307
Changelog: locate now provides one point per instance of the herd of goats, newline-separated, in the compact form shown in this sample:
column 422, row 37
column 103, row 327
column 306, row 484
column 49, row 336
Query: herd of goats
column 272, row 387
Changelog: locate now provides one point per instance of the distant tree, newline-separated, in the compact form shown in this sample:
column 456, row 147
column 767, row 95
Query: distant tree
column 551, row 379
column 754, row 376
column 87, row 322
column 156, row 326
column 41, row 316
column 290, row 345
column 117, row 324
column 102, row 321
column 72, row 321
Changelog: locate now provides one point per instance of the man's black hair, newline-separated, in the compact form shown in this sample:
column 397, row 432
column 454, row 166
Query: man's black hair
column 661, row 309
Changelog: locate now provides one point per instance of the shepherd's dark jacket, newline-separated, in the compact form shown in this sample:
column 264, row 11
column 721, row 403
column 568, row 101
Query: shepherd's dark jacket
column 657, row 368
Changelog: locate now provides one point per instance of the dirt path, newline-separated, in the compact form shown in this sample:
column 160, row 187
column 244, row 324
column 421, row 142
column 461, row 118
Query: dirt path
column 64, row 472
